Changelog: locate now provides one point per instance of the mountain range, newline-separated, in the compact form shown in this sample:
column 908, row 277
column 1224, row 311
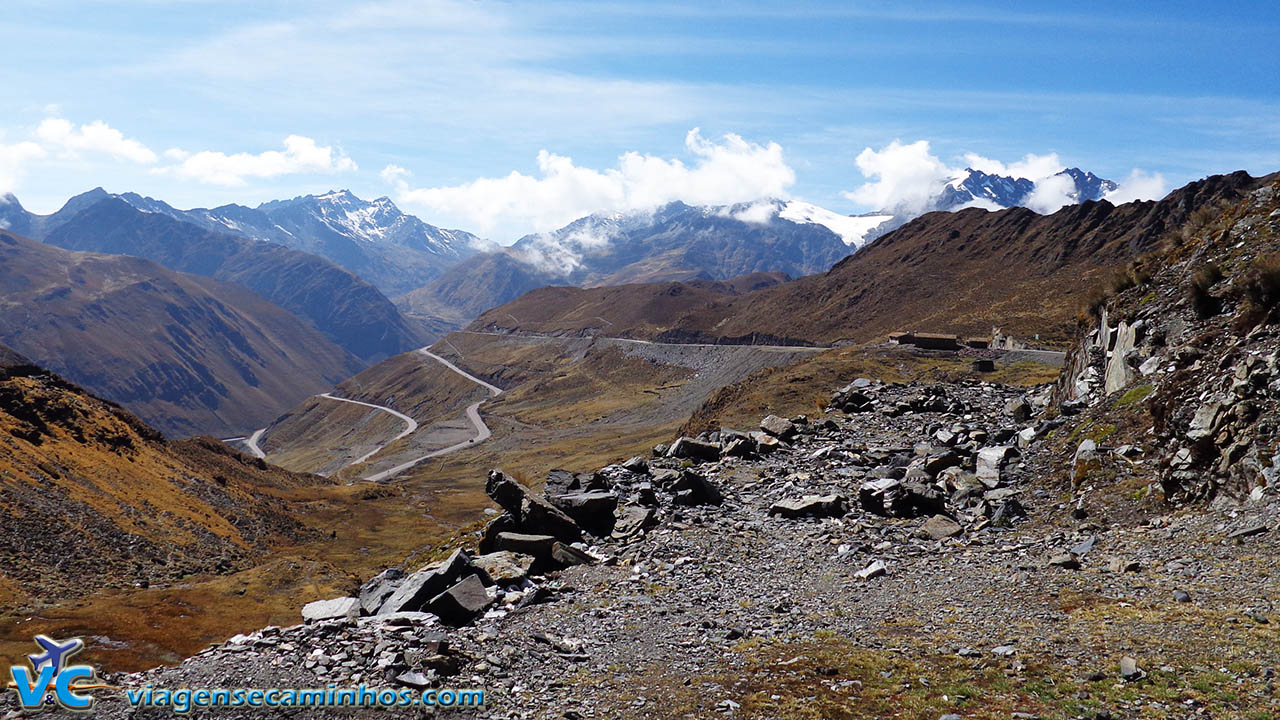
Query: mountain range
column 674, row 242
column 961, row 271
column 373, row 239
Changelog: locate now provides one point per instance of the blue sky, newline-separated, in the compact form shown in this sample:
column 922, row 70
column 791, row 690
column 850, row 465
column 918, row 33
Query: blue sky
column 437, row 103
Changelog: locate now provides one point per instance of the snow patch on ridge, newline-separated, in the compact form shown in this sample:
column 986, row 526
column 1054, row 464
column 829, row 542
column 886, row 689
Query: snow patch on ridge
column 851, row 229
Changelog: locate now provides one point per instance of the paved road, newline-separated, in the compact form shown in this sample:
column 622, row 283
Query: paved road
column 410, row 425
column 473, row 414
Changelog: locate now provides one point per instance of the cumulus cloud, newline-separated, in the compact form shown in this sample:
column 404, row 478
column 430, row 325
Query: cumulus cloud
column 13, row 163
column 905, row 179
column 723, row 172
column 1139, row 185
column 300, row 155
column 96, row 137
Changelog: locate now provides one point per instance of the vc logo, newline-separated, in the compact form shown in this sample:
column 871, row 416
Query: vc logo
column 51, row 681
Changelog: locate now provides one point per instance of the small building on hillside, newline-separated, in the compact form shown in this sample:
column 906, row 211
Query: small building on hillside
column 926, row 341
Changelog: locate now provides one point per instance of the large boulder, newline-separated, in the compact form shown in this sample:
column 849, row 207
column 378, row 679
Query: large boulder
column 547, row 552
column 530, row 513
column 895, row 498
column 693, row 489
column 591, row 510
column 692, row 449
column 505, row 567
column 563, row 482
column 779, row 427
column 461, row 602
column 376, row 591
column 632, row 520
column 417, row 589
column 331, row 609
column 991, row 462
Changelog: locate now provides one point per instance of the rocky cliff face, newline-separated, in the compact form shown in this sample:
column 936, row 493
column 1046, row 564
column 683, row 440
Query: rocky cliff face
column 1188, row 350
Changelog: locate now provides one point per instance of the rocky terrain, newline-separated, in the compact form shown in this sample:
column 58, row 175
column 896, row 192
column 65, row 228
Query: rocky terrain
column 904, row 553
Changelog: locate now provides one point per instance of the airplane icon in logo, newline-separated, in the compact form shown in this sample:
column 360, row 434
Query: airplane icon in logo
column 55, row 653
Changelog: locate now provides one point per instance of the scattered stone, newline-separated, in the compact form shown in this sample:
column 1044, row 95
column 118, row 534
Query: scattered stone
column 1248, row 531
column 1129, row 669
column 1120, row 565
column 1181, row 596
column 940, row 527
column 780, row 428
column 1065, row 560
column 1018, row 409
column 874, row 570
column 832, row 505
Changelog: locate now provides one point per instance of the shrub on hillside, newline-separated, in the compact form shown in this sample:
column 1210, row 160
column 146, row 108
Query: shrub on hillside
column 1205, row 303
column 1260, row 288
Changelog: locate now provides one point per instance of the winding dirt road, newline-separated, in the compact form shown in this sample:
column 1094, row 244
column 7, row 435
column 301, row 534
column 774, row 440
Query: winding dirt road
column 410, row 425
column 473, row 414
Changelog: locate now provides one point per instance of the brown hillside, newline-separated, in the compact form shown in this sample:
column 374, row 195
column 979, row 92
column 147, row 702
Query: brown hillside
column 92, row 497
column 189, row 354
column 961, row 272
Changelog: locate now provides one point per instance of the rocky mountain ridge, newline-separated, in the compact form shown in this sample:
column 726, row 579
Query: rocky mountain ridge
column 673, row 242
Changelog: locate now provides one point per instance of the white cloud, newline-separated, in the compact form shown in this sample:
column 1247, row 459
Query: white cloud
column 1051, row 194
column 300, row 155
column 905, row 178
column 729, row 171
column 757, row 213
column 1139, row 185
column 13, row 163
column 96, row 137
column 1031, row 166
